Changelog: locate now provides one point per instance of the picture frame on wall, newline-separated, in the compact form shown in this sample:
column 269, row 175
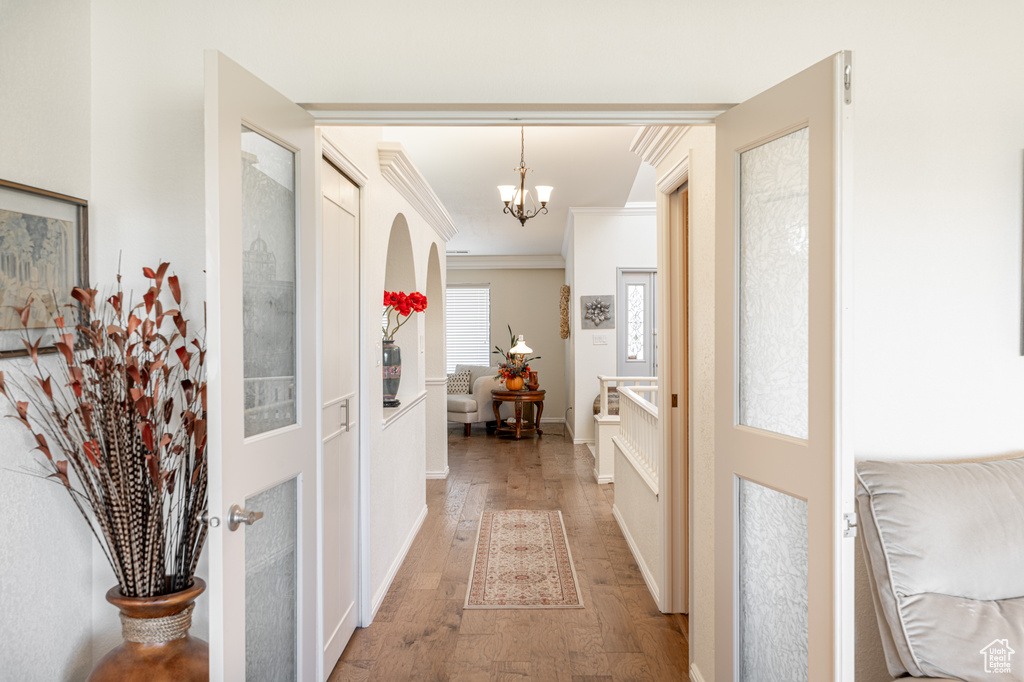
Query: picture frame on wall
column 44, row 254
column 597, row 312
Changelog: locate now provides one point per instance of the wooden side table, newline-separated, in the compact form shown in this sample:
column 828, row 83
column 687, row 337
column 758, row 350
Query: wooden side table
column 519, row 397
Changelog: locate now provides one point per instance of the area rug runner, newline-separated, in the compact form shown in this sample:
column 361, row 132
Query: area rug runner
column 522, row 561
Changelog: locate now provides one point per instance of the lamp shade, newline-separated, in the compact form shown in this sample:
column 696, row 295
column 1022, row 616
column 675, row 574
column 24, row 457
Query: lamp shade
column 520, row 348
column 507, row 192
column 520, row 197
column 543, row 193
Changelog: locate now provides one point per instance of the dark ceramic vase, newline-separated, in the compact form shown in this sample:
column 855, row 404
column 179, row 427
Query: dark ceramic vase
column 392, row 373
column 157, row 646
column 533, row 383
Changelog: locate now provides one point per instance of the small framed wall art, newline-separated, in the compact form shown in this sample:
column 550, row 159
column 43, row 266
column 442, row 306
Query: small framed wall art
column 44, row 253
column 597, row 312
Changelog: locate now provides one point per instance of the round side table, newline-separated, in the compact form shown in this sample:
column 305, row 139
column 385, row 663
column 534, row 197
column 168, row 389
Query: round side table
column 518, row 397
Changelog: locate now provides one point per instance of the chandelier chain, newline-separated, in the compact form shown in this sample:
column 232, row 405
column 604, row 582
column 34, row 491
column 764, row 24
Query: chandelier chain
column 522, row 151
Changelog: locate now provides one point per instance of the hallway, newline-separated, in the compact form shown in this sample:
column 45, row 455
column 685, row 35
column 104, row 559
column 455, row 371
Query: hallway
column 421, row 631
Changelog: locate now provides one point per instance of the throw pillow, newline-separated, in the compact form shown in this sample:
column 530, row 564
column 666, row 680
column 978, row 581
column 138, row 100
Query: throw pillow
column 458, row 382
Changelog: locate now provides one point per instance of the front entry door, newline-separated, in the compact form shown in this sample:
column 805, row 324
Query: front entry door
column 262, row 338
column 783, row 473
column 637, row 333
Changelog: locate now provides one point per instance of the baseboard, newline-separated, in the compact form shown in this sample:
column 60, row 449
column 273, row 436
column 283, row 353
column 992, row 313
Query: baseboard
column 602, row 480
column 378, row 598
column 695, row 675
column 652, row 586
column 568, row 430
column 438, row 474
column 583, row 441
column 593, row 450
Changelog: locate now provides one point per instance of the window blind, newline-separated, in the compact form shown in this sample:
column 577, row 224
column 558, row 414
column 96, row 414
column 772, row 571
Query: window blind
column 468, row 324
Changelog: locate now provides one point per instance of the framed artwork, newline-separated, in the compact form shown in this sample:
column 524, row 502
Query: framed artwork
column 597, row 312
column 44, row 253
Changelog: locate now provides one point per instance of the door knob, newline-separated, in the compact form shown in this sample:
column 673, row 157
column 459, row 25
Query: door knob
column 237, row 516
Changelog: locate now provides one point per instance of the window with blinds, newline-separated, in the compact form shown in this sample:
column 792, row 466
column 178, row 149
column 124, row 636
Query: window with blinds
column 468, row 324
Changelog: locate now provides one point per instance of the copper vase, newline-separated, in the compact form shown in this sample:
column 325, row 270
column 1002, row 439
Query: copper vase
column 157, row 646
column 534, row 382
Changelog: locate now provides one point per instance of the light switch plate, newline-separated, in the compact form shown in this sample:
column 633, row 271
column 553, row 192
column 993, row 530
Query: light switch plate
column 600, row 339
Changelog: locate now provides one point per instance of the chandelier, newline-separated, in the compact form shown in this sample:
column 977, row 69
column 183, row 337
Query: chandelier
column 515, row 197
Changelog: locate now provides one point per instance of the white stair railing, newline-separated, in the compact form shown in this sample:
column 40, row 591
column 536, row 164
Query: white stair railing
column 638, row 437
column 609, row 382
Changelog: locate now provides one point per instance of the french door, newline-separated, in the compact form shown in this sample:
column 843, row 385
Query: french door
column 783, row 468
column 261, row 197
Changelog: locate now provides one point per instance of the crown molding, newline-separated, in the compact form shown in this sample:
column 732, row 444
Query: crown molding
column 343, row 162
column 671, row 179
column 653, row 143
column 501, row 262
column 398, row 169
column 648, row 208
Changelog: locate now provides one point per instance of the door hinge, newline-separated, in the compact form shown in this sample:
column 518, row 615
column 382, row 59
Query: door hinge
column 850, row 525
column 675, row 400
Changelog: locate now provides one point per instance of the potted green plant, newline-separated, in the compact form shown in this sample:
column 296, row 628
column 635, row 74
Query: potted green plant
column 119, row 420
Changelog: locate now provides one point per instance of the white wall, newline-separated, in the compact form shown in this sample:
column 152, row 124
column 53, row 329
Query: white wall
column 603, row 240
column 45, row 547
column 937, row 155
column 527, row 299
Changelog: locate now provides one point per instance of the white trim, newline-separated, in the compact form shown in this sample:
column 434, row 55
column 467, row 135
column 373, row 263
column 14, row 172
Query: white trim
column 569, row 228
column 569, row 431
column 438, row 475
column 436, row 381
column 399, row 170
column 654, row 142
column 637, row 209
column 397, row 564
column 695, row 675
column 393, row 414
column 582, row 441
column 674, row 177
column 552, row 420
column 652, row 586
column 638, row 465
column 343, row 162
column 671, row 115
column 524, row 262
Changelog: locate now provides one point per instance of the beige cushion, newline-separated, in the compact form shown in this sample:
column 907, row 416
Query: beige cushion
column 477, row 371
column 944, row 544
column 463, row 404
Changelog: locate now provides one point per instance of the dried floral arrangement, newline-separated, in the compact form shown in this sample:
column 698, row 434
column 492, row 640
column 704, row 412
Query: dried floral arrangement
column 404, row 305
column 512, row 368
column 121, row 424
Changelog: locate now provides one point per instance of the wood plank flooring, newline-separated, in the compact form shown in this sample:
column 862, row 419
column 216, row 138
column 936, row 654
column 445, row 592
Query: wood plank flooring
column 421, row 631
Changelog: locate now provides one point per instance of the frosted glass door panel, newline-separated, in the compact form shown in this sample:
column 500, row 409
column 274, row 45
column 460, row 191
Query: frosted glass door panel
column 270, row 585
column 268, row 283
column 635, row 314
column 773, row 291
column 772, row 585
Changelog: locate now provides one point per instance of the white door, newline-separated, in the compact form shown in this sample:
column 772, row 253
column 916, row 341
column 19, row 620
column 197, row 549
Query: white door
column 637, row 334
column 783, row 473
column 261, row 199
column 340, row 277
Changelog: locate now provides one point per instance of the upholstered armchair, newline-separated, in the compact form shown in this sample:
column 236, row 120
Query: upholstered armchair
column 476, row 406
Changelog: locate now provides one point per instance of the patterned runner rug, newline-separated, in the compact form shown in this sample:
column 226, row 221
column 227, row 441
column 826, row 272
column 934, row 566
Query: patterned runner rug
column 522, row 561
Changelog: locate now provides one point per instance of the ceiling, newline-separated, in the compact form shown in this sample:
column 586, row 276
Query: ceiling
column 586, row 165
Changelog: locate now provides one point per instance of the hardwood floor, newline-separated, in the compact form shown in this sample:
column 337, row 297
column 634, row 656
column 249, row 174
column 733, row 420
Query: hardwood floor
column 421, row 631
